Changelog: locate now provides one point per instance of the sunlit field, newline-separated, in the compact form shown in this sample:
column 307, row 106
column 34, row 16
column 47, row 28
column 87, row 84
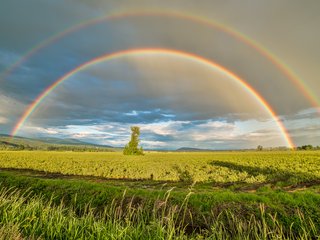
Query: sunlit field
column 220, row 167
column 161, row 195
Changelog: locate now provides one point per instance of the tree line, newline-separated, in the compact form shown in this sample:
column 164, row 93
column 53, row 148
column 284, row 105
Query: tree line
column 26, row 147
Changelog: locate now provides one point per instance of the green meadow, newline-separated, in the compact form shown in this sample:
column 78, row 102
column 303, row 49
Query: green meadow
column 161, row 195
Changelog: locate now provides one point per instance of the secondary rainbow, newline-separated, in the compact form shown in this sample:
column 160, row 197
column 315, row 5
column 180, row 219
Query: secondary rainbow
column 167, row 52
column 284, row 68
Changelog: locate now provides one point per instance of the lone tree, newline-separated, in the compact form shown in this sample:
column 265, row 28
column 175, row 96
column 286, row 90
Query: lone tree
column 259, row 148
column 132, row 147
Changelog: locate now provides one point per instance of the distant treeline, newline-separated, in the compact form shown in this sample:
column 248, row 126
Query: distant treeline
column 4, row 145
column 308, row 147
column 303, row 147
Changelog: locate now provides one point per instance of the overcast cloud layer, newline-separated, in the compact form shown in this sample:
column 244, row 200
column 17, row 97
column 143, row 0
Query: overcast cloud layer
column 177, row 102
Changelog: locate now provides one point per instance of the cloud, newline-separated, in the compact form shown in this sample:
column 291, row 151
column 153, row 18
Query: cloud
column 304, row 127
column 10, row 110
column 172, row 98
column 148, row 93
column 169, row 134
column 160, row 32
column 34, row 21
column 7, row 58
column 3, row 120
column 309, row 113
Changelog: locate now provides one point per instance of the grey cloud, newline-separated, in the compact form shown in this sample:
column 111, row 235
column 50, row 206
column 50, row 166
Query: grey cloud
column 27, row 23
column 306, row 135
column 107, row 93
column 95, row 95
column 257, row 72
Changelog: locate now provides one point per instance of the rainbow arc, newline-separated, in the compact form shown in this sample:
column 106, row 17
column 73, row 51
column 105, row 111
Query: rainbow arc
column 167, row 52
column 258, row 47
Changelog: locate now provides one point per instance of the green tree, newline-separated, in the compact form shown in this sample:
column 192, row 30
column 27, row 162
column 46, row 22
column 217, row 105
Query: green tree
column 259, row 148
column 306, row 147
column 132, row 147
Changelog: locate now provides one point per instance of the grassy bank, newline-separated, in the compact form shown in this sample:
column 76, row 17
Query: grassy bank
column 93, row 208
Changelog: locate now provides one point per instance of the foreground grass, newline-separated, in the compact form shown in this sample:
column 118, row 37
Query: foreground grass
column 226, row 195
column 75, row 209
column 32, row 217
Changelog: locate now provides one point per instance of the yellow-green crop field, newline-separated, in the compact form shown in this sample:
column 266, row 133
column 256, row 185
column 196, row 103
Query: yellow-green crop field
column 248, row 167
column 238, row 195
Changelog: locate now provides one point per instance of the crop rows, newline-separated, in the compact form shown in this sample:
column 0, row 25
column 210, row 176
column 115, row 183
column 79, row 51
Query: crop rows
column 221, row 167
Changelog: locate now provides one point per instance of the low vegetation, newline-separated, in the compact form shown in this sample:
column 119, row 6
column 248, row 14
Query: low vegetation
column 53, row 209
column 204, row 195
column 221, row 167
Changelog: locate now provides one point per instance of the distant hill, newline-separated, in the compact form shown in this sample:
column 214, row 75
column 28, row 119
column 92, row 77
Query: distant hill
column 188, row 149
column 70, row 141
column 22, row 143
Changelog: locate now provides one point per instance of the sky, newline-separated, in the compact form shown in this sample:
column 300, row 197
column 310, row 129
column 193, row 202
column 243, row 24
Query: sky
column 204, row 74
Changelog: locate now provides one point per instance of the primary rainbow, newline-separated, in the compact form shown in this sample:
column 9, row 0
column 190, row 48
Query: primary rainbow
column 167, row 52
column 284, row 68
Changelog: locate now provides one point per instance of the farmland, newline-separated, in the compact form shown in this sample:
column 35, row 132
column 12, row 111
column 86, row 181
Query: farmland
column 214, row 195
column 220, row 167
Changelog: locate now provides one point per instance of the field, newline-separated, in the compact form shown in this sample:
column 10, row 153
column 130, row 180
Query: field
column 162, row 195
column 220, row 167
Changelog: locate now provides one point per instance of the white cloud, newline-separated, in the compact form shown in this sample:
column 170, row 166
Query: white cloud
column 163, row 128
column 3, row 120
column 173, row 134
column 153, row 144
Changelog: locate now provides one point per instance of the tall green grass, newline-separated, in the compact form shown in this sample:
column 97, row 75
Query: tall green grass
column 24, row 215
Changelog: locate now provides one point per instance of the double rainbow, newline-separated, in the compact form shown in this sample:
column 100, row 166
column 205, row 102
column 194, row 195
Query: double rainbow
column 156, row 51
column 289, row 73
column 259, row 48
